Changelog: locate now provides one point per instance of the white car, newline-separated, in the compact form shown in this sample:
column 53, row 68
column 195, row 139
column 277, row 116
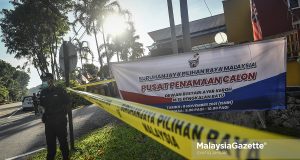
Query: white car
column 27, row 103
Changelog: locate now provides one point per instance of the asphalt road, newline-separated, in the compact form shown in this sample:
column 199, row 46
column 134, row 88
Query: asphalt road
column 8, row 108
column 23, row 132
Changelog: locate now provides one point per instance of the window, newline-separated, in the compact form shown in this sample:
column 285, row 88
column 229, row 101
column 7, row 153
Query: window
column 294, row 3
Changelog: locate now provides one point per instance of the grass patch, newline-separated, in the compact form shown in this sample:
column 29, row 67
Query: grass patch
column 116, row 141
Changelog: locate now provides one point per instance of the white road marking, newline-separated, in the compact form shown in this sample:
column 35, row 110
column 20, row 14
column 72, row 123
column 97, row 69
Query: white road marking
column 15, row 112
column 33, row 122
column 14, row 117
column 25, row 154
column 6, row 121
column 22, row 115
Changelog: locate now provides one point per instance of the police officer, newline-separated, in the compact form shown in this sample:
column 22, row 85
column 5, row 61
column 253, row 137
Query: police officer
column 55, row 102
column 35, row 103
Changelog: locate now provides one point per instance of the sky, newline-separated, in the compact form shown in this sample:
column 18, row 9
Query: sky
column 147, row 15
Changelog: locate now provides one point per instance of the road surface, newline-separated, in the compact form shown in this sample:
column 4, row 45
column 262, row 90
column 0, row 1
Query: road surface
column 23, row 132
column 8, row 108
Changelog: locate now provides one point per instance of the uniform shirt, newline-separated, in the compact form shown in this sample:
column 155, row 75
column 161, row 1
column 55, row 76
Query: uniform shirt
column 54, row 100
column 35, row 100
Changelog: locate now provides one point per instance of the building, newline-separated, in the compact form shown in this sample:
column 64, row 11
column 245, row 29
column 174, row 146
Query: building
column 277, row 18
column 202, row 32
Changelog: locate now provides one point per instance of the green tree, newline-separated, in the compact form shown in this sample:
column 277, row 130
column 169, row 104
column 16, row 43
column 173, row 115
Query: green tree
column 13, row 82
column 134, row 48
column 109, row 49
column 90, row 69
column 90, row 14
column 3, row 93
column 33, row 29
column 104, row 71
column 6, row 72
column 83, row 50
column 125, row 46
column 22, row 78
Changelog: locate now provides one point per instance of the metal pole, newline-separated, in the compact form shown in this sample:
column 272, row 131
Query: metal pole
column 187, row 47
column 67, row 81
column 172, row 26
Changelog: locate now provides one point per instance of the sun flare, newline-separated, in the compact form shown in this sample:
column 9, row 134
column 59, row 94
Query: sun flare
column 114, row 24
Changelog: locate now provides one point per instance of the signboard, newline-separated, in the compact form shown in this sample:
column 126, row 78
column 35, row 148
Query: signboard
column 245, row 77
column 72, row 56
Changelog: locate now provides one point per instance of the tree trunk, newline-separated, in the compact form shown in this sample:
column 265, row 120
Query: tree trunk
column 36, row 66
column 80, row 53
column 38, row 71
column 44, row 61
column 40, row 62
column 92, row 57
column 55, row 63
column 118, row 56
column 52, row 61
column 99, row 55
column 106, row 53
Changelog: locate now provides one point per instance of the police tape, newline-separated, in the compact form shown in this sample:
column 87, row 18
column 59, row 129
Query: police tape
column 96, row 83
column 197, row 138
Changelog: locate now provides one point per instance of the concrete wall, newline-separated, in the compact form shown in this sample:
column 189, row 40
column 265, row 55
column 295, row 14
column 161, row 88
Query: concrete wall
column 210, row 38
column 293, row 73
column 165, row 48
column 238, row 20
column 203, row 39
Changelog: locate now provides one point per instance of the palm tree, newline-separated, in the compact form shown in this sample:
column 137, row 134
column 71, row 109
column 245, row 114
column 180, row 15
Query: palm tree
column 125, row 46
column 86, row 51
column 80, row 47
column 114, row 46
column 137, row 51
column 90, row 14
column 108, row 49
column 135, row 48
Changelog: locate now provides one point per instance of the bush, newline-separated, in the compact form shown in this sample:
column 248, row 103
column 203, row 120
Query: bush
column 3, row 93
column 76, row 100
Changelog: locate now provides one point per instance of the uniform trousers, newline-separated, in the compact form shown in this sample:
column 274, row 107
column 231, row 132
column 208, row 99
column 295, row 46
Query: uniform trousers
column 56, row 127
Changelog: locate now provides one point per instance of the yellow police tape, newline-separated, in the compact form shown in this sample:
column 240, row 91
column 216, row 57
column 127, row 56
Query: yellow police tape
column 198, row 138
column 96, row 83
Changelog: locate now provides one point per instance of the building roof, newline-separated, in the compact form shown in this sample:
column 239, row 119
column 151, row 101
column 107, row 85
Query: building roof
column 200, row 25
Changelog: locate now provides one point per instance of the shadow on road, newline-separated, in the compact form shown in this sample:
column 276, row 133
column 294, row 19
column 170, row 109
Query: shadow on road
column 18, row 112
column 97, row 119
column 16, row 126
column 10, row 108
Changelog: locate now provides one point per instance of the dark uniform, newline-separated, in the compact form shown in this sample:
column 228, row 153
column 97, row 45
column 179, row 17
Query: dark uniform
column 55, row 100
column 35, row 103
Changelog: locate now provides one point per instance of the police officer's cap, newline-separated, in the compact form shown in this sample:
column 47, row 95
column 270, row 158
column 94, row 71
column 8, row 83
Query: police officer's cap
column 46, row 76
